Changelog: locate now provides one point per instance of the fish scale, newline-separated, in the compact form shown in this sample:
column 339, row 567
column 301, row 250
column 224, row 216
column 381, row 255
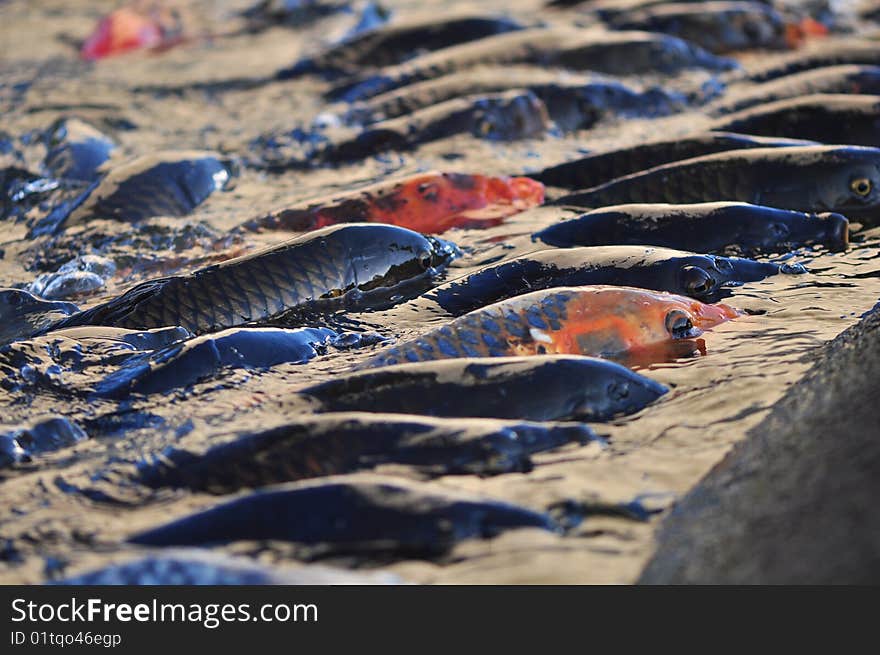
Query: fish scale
column 487, row 333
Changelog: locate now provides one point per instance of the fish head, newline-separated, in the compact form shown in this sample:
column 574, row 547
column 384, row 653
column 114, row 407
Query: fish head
column 512, row 116
column 685, row 318
column 575, row 108
column 622, row 392
column 609, row 321
column 22, row 314
column 671, row 53
column 767, row 230
column 852, row 185
column 704, row 276
column 663, row 316
column 836, row 230
column 866, row 81
column 384, row 256
column 787, row 230
column 754, row 28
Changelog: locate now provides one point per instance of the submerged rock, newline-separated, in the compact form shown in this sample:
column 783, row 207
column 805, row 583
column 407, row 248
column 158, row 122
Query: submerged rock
column 796, row 503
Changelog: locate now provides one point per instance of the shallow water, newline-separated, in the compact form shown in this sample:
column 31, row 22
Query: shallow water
column 651, row 458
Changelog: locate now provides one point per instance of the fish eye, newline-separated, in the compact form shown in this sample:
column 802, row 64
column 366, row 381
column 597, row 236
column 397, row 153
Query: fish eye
column 861, row 186
column 618, row 390
column 425, row 259
column 679, row 324
column 779, row 230
column 14, row 299
column 695, row 280
column 750, row 29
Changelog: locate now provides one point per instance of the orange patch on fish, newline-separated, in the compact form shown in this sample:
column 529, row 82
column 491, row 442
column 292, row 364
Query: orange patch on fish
column 430, row 203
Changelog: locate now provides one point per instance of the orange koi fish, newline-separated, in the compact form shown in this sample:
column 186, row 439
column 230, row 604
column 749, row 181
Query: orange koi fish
column 797, row 33
column 600, row 321
column 130, row 28
column 430, row 203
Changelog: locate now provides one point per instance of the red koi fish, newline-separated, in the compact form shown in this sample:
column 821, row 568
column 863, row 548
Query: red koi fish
column 599, row 321
column 430, row 203
column 797, row 33
column 132, row 28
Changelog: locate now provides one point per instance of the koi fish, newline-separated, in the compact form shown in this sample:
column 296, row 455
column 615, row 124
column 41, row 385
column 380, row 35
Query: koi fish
column 341, row 267
column 132, row 28
column 601, row 321
column 430, row 203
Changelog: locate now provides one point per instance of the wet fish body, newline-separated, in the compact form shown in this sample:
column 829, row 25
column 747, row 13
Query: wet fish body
column 660, row 269
column 544, row 388
column 514, row 47
column 132, row 28
column 828, row 118
column 346, row 516
column 853, row 79
column 612, row 53
column 70, row 361
column 635, row 53
column 572, row 103
column 397, row 41
column 718, row 27
column 509, row 116
column 602, row 167
column 840, row 179
column 164, row 184
column 76, row 150
column 334, row 443
column 186, row 363
column 430, row 203
column 711, row 227
column 296, row 14
column 831, row 53
column 597, row 321
column 345, row 266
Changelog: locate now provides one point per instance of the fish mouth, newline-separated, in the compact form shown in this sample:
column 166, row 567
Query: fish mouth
column 444, row 251
column 837, row 230
column 708, row 316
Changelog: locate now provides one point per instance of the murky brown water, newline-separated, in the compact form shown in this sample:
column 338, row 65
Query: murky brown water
column 654, row 456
